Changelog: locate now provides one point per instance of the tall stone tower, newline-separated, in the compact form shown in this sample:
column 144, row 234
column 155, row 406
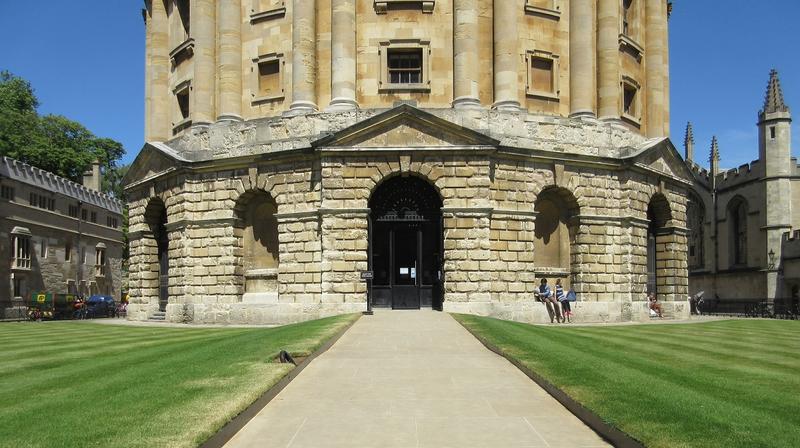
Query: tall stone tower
column 459, row 151
column 775, row 153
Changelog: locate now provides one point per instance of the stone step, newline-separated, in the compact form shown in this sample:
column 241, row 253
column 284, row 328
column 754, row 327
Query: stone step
column 157, row 316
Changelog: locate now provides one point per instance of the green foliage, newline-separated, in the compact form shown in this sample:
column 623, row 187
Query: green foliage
column 717, row 384
column 52, row 142
column 71, row 384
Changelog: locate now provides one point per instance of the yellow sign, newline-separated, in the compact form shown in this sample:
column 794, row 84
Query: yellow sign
column 41, row 298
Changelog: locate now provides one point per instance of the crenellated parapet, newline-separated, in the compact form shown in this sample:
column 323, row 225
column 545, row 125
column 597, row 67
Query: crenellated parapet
column 747, row 172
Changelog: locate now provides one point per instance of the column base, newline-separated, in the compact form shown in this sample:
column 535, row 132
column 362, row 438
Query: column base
column 341, row 105
column 583, row 114
column 507, row 106
column 466, row 102
column 200, row 125
column 229, row 118
column 301, row 108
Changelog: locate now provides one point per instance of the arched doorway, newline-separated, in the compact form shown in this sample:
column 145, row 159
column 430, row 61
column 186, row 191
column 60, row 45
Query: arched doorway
column 659, row 214
column 156, row 218
column 405, row 248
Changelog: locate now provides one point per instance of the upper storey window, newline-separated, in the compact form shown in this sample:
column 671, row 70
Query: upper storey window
column 629, row 29
column 404, row 66
column 383, row 6
column 262, row 10
column 631, row 103
column 268, row 80
column 548, row 9
column 627, row 17
column 542, row 75
column 180, row 30
column 182, row 103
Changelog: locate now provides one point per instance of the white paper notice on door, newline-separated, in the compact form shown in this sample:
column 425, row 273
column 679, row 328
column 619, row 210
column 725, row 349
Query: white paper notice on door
column 413, row 272
column 403, row 271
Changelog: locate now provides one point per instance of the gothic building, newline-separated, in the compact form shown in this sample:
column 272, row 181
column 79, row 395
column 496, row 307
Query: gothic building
column 56, row 236
column 459, row 150
column 743, row 240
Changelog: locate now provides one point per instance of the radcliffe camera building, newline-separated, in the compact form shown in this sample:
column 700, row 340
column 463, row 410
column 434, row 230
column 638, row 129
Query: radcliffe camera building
column 56, row 236
column 461, row 150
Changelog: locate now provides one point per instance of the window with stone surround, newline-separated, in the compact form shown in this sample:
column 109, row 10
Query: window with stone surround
column 7, row 192
column 21, row 248
column 267, row 80
column 542, row 75
column 548, row 9
column 178, row 12
column 631, row 103
column 100, row 260
column 384, row 6
column 68, row 251
column 404, row 66
column 19, row 287
column 73, row 211
column 182, row 111
column 737, row 229
column 263, row 10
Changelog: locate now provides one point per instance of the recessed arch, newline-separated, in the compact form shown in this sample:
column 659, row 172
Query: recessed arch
column 256, row 226
column 555, row 230
column 659, row 247
column 155, row 216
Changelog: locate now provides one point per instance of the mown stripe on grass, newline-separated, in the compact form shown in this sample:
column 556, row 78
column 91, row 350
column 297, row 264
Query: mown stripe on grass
column 642, row 380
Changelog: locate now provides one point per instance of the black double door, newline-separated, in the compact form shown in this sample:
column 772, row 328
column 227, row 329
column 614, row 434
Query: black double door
column 406, row 261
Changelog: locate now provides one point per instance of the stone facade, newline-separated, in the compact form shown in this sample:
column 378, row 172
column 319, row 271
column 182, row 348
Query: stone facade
column 745, row 219
column 57, row 236
column 407, row 96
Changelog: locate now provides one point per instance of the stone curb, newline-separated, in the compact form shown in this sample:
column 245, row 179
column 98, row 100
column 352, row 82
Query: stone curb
column 231, row 428
column 611, row 434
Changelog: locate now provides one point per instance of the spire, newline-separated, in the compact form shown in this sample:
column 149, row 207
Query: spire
column 714, row 158
column 773, row 102
column 688, row 142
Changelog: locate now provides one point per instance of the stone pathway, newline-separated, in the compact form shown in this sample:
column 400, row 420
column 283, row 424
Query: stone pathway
column 413, row 379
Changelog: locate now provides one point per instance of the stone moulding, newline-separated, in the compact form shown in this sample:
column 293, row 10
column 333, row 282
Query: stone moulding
column 382, row 6
column 271, row 14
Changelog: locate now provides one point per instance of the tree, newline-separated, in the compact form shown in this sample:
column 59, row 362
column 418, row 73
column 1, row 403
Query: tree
column 52, row 142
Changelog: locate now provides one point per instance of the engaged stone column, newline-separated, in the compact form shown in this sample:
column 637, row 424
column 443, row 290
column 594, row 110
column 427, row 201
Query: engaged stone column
column 343, row 55
column 229, row 60
column 582, row 54
column 506, row 54
column 465, row 54
column 157, row 126
column 608, row 88
column 304, row 62
column 203, row 18
column 654, row 66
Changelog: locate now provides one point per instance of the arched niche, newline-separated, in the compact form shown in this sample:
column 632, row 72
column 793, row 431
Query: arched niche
column 157, row 239
column 258, row 229
column 659, row 237
column 556, row 227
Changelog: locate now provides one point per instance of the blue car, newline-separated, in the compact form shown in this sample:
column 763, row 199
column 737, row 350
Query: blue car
column 100, row 306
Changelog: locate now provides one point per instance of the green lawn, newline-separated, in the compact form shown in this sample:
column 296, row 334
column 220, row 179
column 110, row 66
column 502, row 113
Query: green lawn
column 65, row 384
column 716, row 384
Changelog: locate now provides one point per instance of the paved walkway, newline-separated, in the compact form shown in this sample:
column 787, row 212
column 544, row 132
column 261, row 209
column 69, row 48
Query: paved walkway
column 412, row 379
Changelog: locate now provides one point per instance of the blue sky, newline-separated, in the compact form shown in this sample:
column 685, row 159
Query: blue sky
column 86, row 61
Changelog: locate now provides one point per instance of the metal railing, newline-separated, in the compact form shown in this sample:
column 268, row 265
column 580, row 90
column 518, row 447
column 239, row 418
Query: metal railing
column 763, row 308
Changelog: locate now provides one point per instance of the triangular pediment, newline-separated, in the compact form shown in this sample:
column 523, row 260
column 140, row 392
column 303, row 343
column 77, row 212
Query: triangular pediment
column 154, row 159
column 405, row 127
column 660, row 156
